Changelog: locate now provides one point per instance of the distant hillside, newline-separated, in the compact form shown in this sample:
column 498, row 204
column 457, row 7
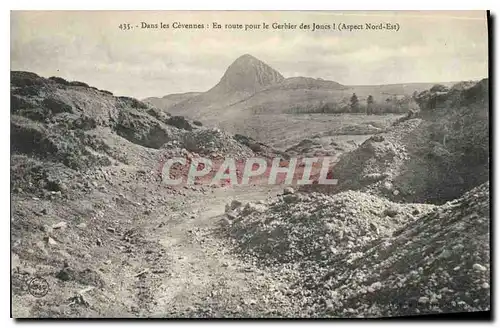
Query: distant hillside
column 300, row 82
column 170, row 100
column 250, row 88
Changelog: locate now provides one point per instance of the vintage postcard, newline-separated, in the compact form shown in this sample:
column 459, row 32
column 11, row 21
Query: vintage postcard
column 250, row 164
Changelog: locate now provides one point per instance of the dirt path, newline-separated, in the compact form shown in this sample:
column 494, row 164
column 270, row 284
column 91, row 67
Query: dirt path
column 204, row 278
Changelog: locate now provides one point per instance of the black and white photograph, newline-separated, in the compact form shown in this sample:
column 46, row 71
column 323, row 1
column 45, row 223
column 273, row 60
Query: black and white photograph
column 250, row 164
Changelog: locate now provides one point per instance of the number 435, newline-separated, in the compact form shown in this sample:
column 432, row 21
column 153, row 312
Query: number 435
column 125, row 26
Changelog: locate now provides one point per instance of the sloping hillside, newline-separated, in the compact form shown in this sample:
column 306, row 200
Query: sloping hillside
column 434, row 157
column 87, row 198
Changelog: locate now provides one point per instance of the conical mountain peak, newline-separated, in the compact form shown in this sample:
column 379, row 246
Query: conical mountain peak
column 248, row 74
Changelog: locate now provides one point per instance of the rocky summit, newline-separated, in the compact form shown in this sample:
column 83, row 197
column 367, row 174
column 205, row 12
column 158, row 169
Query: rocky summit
column 247, row 74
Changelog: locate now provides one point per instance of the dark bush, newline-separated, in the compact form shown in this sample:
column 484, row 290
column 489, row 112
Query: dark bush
column 30, row 139
column 439, row 88
column 17, row 103
column 24, row 79
column 57, row 106
column 134, row 103
column 84, row 123
column 179, row 122
column 30, row 90
column 158, row 114
column 59, row 80
column 35, row 114
column 78, row 84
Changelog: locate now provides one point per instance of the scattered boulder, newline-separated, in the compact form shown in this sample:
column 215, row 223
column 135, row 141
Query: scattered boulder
column 253, row 207
column 234, row 205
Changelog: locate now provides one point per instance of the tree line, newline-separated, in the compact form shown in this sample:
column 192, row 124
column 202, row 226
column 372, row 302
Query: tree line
column 369, row 106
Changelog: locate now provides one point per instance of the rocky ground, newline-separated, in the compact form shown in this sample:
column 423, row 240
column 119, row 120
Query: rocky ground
column 355, row 255
column 95, row 232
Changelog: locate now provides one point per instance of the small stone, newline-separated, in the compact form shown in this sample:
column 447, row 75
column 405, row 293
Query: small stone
column 98, row 242
column 82, row 225
column 62, row 187
column 60, row 225
column 445, row 254
column 374, row 227
column 49, row 240
column 290, row 198
column 253, row 207
column 391, row 212
column 395, row 192
column 288, row 191
column 423, row 300
column 478, row 267
column 47, row 229
column 485, row 285
column 235, row 204
column 110, row 229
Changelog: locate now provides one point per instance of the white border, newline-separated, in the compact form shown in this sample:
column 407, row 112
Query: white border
column 255, row 5
column 6, row 6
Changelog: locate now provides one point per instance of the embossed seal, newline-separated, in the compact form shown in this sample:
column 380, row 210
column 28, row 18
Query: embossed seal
column 38, row 287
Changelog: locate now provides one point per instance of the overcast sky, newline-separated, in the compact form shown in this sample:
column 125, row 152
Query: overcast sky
column 89, row 47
